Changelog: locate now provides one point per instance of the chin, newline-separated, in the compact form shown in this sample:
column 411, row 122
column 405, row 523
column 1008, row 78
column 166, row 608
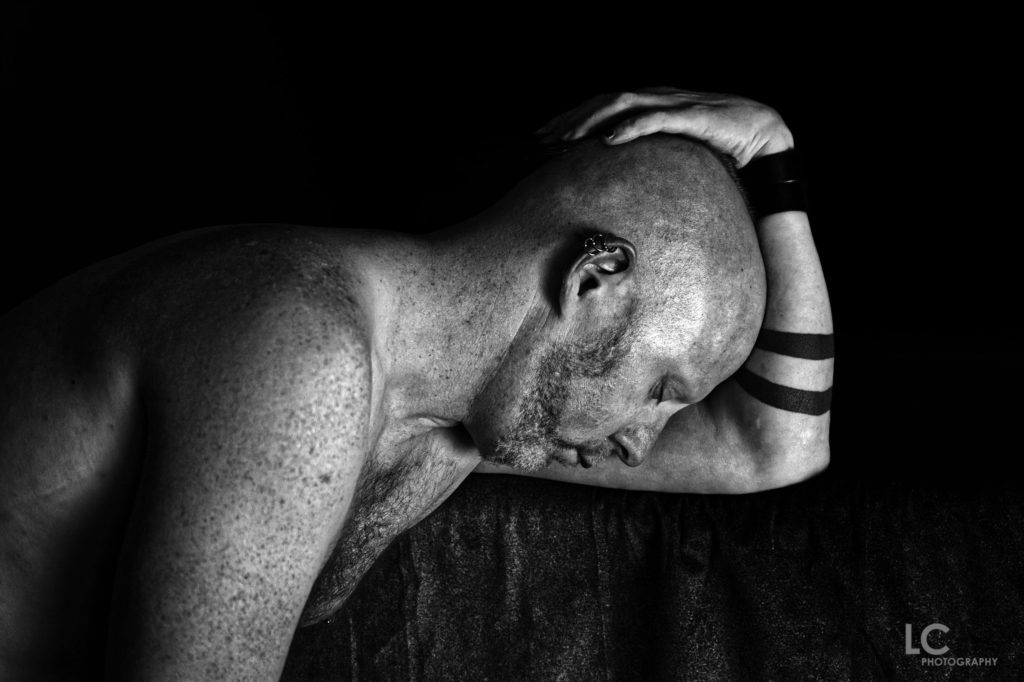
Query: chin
column 522, row 454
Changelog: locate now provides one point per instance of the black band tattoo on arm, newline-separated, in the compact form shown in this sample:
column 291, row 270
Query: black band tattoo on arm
column 815, row 403
column 806, row 346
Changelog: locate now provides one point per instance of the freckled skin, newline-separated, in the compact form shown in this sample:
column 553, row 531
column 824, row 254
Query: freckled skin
column 206, row 408
column 213, row 437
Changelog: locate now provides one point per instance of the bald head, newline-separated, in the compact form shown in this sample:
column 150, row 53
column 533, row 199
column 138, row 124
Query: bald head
column 700, row 276
column 639, row 329
column 671, row 196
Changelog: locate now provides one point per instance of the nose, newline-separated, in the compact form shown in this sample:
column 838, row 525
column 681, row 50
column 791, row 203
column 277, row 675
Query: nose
column 629, row 453
column 636, row 443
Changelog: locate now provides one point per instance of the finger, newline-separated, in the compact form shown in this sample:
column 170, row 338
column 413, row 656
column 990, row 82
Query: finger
column 567, row 119
column 689, row 121
column 617, row 106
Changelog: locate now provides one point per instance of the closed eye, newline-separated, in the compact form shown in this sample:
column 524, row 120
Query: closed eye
column 659, row 389
column 668, row 388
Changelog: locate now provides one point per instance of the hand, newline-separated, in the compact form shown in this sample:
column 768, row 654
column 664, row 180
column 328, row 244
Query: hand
column 740, row 127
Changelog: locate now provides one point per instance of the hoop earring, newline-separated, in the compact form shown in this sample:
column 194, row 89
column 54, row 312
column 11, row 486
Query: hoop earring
column 596, row 244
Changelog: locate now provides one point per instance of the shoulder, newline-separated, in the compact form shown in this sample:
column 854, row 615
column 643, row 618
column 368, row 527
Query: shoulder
column 295, row 341
column 280, row 338
column 258, row 420
column 274, row 410
column 261, row 295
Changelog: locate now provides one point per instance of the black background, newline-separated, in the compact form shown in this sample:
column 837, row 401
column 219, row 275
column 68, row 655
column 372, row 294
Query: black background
column 125, row 126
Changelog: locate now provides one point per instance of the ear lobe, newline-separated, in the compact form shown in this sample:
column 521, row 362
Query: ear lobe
column 599, row 272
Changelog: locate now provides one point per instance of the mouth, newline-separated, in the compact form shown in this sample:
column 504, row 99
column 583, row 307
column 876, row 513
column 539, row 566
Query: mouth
column 619, row 449
column 573, row 455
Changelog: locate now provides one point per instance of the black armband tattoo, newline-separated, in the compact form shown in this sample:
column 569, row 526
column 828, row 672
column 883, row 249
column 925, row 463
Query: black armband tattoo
column 775, row 183
column 815, row 403
column 785, row 196
column 806, row 346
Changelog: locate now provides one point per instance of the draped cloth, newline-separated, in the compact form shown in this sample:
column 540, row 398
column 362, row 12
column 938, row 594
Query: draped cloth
column 523, row 579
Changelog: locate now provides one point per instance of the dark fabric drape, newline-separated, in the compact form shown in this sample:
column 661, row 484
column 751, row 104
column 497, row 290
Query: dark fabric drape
column 521, row 579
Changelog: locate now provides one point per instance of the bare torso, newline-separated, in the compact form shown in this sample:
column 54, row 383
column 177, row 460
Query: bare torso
column 73, row 429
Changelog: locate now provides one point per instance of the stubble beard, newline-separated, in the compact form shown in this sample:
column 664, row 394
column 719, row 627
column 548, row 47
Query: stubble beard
column 532, row 441
column 529, row 444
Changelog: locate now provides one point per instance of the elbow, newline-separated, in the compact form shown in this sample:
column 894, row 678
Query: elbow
column 792, row 453
column 803, row 467
column 794, row 467
column 787, row 467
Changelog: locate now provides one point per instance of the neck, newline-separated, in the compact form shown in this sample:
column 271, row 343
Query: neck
column 449, row 307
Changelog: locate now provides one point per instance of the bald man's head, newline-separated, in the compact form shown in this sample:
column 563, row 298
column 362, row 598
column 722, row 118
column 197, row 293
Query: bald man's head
column 698, row 261
column 672, row 310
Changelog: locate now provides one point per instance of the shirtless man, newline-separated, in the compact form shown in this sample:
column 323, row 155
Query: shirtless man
column 194, row 431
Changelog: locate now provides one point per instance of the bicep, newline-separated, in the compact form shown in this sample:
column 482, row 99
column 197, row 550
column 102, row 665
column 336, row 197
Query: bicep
column 732, row 443
column 707, row 448
column 250, row 469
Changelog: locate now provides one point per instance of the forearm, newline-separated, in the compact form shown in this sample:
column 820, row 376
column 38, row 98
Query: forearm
column 797, row 296
column 789, row 444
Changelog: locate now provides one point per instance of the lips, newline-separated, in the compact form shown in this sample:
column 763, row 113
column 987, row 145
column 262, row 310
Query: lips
column 587, row 455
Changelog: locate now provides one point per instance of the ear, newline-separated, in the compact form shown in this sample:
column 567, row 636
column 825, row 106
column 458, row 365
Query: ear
column 601, row 278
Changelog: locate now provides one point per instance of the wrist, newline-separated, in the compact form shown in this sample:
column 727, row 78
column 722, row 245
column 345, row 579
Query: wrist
column 774, row 183
column 785, row 225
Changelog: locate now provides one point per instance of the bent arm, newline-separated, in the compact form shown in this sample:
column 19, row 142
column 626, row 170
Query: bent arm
column 731, row 442
column 768, row 425
column 746, row 444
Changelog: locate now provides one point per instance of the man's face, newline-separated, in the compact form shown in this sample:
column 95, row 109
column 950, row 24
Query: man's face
column 588, row 400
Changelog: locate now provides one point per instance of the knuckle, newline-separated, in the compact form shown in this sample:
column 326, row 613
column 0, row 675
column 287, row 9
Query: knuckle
column 625, row 99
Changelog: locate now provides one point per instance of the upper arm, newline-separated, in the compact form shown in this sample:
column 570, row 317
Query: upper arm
column 255, row 439
column 729, row 443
